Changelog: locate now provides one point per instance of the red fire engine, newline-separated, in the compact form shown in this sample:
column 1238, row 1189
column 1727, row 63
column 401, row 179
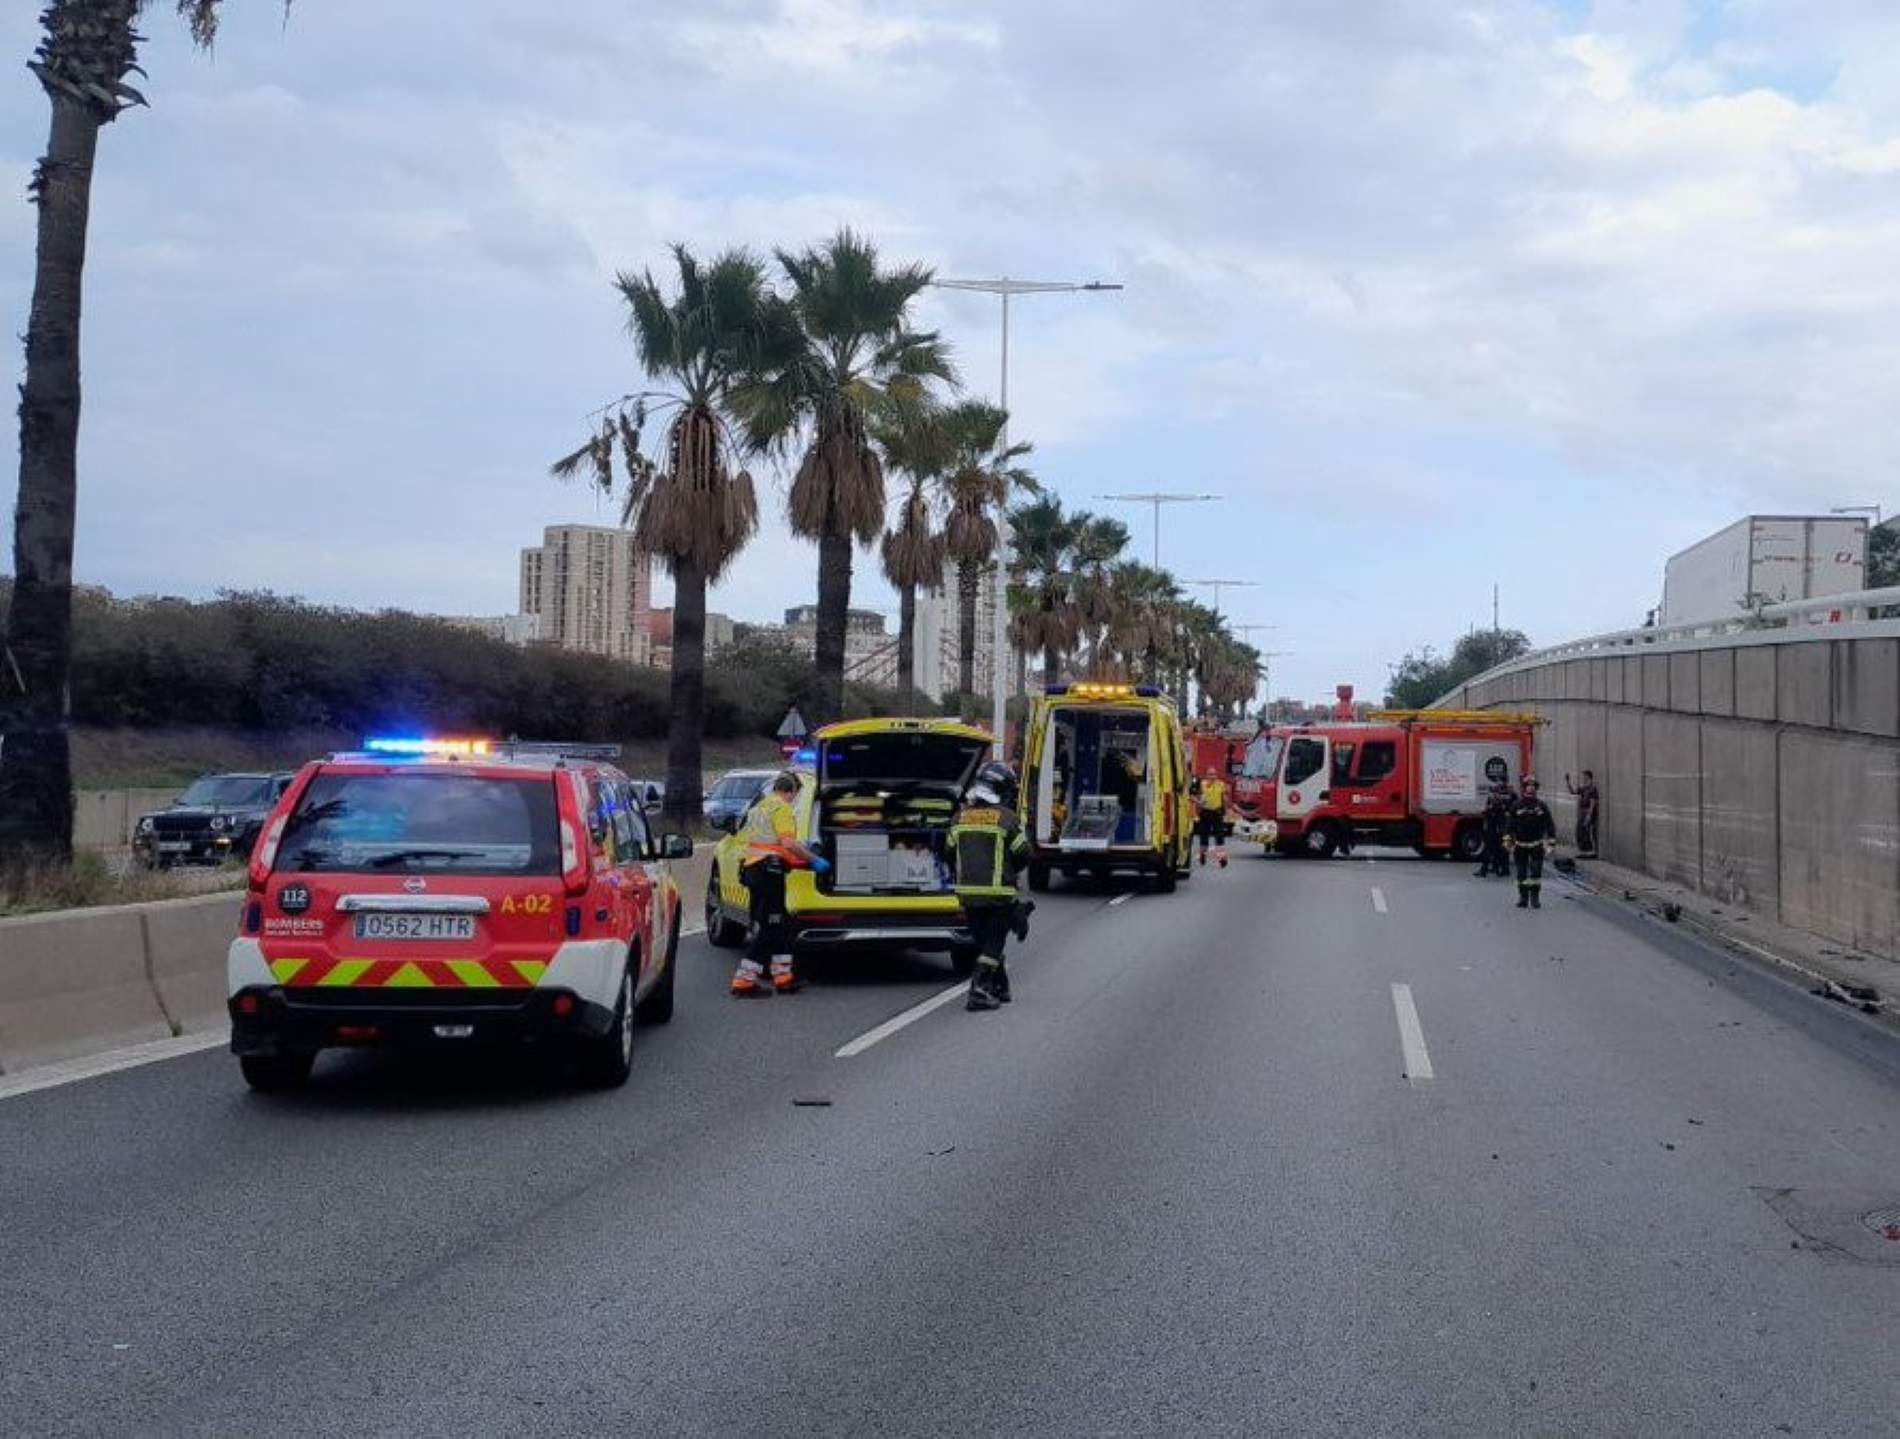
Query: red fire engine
column 1405, row 777
column 1215, row 751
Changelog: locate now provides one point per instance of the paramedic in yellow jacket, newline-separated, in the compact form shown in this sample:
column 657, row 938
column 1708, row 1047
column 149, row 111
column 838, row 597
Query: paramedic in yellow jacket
column 772, row 850
column 989, row 848
column 1210, row 816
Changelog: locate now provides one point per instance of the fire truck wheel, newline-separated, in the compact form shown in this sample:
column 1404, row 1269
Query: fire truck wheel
column 1322, row 840
column 1468, row 843
column 1167, row 877
column 963, row 960
column 1039, row 877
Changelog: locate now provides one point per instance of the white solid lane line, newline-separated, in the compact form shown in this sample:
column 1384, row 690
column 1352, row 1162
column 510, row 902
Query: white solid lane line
column 1418, row 1064
column 71, row 1071
column 689, row 933
column 908, row 1017
column 1121, row 898
column 1378, row 899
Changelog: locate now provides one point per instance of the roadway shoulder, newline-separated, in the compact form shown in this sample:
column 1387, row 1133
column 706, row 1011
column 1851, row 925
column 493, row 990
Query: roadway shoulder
column 1865, row 981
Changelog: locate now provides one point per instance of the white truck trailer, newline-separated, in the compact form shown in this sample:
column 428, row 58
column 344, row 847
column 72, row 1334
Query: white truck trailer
column 1764, row 559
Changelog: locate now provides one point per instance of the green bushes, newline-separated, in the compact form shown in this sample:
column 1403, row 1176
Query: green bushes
column 259, row 661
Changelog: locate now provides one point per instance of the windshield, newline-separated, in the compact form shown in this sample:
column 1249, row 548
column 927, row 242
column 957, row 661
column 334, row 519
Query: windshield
column 1263, row 757
column 738, row 786
column 414, row 823
column 227, row 791
column 902, row 757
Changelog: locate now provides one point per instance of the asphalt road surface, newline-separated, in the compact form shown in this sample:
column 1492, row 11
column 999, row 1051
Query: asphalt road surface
column 1307, row 1147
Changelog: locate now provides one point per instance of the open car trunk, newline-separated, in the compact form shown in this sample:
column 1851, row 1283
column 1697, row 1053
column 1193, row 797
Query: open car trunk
column 1095, row 779
column 885, row 804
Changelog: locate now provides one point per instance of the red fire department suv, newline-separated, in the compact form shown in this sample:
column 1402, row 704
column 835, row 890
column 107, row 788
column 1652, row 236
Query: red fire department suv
column 454, row 892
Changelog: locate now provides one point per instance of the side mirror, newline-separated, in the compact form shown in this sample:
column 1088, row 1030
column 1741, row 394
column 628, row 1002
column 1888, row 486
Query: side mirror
column 676, row 846
column 727, row 824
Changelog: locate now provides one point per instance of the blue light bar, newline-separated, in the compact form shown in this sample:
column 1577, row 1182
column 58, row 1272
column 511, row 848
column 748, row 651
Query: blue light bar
column 806, row 758
column 417, row 745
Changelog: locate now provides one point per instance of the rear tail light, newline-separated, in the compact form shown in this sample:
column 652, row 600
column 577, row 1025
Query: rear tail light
column 265, row 855
column 563, row 1005
column 249, row 1004
column 573, row 859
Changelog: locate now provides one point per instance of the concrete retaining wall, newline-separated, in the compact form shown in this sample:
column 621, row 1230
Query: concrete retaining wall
column 1762, row 770
column 105, row 818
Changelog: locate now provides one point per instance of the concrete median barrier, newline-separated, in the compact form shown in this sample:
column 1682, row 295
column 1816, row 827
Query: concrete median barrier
column 73, row 984
column 186, row 942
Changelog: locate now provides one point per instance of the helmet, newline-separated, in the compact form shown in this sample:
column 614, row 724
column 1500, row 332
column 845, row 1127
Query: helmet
column 995, row 783
column 1529, row 781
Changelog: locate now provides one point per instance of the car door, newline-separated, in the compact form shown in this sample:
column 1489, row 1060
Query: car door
column 653, row 883
column 1304, row 773
column 627, row 878
column 1378, row 787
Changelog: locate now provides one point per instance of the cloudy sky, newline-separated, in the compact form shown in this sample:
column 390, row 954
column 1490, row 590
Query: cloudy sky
column 1436, row 295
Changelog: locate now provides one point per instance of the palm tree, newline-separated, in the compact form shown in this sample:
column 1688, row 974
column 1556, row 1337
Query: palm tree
column 1098, row 547
column 1048, row 612
column 859, row 362
column 1142, row 603
column 977, row 485
column 694, row 507
column 87, row 49
column 916, row 446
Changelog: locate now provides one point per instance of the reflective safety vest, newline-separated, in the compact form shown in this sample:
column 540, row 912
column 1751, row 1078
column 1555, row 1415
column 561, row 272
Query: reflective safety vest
column 769, row 829
column 1213, row 795
column 987, row 846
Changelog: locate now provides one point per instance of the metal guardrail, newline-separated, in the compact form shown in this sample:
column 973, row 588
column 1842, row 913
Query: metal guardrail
column 1857, row 607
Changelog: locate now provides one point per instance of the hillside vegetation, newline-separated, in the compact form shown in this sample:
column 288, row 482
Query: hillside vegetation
column 162, row 688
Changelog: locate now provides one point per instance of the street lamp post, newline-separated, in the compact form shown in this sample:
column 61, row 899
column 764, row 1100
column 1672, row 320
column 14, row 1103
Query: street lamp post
column 1218, row 585
column 1006, row 539
column 1158, row 498
column 1267, row 657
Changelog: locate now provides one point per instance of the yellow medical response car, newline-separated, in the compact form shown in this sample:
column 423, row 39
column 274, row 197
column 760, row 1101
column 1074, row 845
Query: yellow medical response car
column 876, row 797
column 1105, row 785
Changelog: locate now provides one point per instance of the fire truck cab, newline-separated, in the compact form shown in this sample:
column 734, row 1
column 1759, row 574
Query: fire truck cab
column 1413, row 778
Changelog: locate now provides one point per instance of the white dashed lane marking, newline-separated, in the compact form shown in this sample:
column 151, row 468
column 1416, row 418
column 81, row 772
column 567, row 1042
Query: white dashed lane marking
column 1418, row 1063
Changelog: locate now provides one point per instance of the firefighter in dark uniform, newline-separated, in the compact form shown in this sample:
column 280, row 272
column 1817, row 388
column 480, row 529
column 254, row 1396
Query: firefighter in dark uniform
column 1533, row 833
column 990, row 849
column 1498, row 803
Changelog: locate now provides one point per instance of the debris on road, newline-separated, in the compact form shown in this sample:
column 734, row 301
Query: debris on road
column 1863, row 997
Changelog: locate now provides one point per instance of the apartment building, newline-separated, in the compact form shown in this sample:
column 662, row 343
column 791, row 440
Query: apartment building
column 586, row 588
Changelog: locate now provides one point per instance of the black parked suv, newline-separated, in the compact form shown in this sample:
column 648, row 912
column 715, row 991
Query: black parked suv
column 217, row 817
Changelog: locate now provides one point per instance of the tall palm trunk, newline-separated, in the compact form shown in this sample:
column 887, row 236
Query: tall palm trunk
column 1051, row 665
column 907, row 645
column 834, row 613
column 968, row 575
column 36, row 801
column 685, row 774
